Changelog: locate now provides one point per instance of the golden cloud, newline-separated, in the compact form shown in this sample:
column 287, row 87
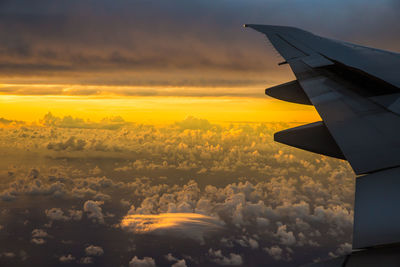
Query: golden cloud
column 190, row 225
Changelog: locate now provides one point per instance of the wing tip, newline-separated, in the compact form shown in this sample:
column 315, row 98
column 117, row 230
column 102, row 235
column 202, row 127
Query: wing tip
column 269, row 28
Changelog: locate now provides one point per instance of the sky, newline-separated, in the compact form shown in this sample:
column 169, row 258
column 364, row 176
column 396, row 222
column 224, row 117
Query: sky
column 192, row 49
column 137, row 133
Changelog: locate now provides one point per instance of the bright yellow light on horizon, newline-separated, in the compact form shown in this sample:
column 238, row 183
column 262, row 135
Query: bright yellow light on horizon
column 30, row 102
column 160, row 109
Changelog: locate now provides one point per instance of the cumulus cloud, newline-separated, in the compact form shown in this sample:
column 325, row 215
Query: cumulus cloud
column 94, row 210
column 342, row 250
column 231, row 260
column 39, row 233
column 39, row 236
column 94, row 250
column 70, row 144
column 66, row 258
column 56, row 214
column 10, row 122
column 177, row 262
column 218, row 185
column 193, row 123
column 8, row 254
column 86, row 260
column 38, row 241
column 275, row 252
column 145, row 262
column 7, row 195
column 49, row 119
column 285, row 237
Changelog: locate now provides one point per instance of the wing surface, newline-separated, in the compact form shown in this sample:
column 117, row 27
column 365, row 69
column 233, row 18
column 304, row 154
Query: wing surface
column 355, row 90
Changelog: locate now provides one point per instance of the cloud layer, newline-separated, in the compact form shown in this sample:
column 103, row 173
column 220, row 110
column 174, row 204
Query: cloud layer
column 207, row 194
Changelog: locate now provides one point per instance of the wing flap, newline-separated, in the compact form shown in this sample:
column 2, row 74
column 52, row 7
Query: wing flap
column 291, row 92
column 313, row 137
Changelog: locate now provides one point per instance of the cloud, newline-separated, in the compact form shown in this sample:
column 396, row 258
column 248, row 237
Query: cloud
column 188, row 225
column 231, row 260
column 49, row 119
column 135, row 51
column 286, row 238
column 94, row 210
column 7, row 195
column 94, row 250
column 39, row 236
column 177, row 262
column 275, row 252
column 8, row 254
column 254, row 194
column 193, row 123
column 343, row 249
column 145, row 262
column 39, row 233
column 38, row 241
column 86, row 260
column 11, row 122
column 70, row 144
column 66, row 258
column 56, row 214
column 59, row 44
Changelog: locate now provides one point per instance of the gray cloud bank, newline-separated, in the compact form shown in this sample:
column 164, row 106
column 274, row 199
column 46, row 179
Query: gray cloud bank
column 185, row 43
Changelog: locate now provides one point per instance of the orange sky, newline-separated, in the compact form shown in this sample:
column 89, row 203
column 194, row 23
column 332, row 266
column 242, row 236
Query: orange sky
column 155, row 104
column 159, row 109
column 103, row 65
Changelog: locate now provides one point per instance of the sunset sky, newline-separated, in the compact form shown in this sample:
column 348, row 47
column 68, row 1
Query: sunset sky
column 137, row 133
column 122, row 58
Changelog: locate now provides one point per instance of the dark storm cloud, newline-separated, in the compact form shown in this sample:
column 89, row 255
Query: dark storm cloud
column 80, row 41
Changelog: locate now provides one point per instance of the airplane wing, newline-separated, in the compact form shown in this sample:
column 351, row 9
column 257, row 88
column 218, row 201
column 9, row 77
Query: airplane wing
column 356, row 91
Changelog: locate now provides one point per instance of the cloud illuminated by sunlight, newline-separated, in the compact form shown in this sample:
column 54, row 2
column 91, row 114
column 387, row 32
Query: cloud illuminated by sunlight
column 142, row 223
column 190, row 225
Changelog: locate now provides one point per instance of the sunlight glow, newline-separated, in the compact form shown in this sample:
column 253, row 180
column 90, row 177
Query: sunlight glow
column 155, row 109
column 143, row 223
